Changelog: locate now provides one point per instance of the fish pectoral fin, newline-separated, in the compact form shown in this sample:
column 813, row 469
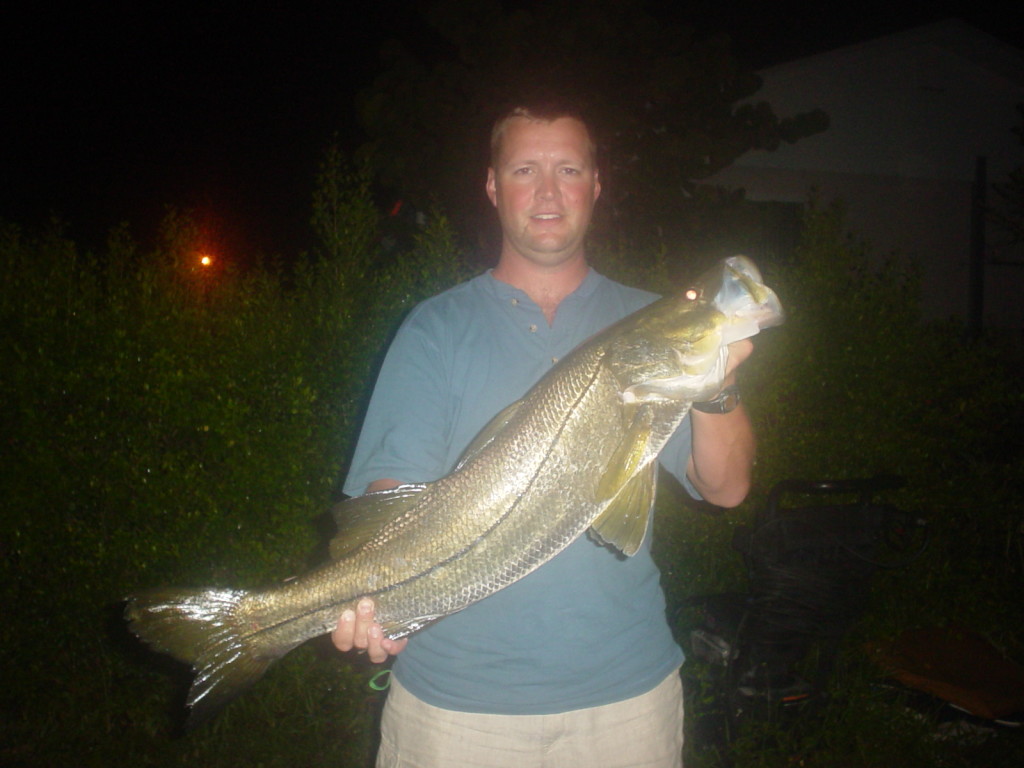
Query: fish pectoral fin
column 627, row 457
column 494, row 427
column 623, row 523
column 360, row 518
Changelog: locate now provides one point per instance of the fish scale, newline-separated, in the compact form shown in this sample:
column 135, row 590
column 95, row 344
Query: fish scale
column 576, row 453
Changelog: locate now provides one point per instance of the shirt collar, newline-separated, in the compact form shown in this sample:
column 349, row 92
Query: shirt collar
column 503, row 291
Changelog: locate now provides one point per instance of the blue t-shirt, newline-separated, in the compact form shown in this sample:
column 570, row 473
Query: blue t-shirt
column 586, row 629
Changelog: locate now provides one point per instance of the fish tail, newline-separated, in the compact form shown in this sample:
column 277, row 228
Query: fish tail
column 204, row 628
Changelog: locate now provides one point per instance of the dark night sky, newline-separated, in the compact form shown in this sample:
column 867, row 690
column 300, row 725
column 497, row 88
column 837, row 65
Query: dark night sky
column 114, row 110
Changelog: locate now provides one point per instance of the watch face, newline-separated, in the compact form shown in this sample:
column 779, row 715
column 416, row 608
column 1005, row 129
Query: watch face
column 726, row 400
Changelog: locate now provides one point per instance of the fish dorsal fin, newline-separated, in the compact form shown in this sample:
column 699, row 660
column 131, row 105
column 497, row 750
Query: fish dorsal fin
column 623, row 524
column 628, row 486
column 361, row 517
column 488, row 433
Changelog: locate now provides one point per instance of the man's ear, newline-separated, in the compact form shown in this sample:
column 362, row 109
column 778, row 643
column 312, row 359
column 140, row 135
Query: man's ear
column 597, row 184
column 492, row 187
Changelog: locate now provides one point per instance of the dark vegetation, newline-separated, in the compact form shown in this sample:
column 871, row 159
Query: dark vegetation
column 684, row 107
column 167, row 423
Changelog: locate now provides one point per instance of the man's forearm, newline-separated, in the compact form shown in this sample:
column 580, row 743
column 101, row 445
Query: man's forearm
column 722, row 456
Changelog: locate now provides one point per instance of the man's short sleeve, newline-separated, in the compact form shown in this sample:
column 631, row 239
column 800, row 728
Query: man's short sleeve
column 403, row 433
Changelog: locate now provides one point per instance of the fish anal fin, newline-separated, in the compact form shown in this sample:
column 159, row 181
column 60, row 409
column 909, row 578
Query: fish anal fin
column 623, row 523
column 360, row 518
column 397, row 629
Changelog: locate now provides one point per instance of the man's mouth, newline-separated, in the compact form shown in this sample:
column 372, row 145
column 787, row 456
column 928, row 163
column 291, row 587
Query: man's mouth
column 546, row 216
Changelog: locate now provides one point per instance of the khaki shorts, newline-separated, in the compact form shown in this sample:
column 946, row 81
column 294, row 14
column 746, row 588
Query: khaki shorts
column 643, row 731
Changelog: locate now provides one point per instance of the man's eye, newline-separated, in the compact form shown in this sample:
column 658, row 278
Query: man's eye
column 571, row 171
column 523, row 171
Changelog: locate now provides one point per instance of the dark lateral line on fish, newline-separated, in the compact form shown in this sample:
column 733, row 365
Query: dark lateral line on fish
column 472, row 545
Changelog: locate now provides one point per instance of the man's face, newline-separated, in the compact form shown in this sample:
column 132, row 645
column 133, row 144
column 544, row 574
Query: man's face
column 544, row 185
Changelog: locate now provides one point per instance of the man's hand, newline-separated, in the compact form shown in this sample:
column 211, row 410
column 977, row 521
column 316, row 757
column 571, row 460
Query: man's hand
column 357, row 629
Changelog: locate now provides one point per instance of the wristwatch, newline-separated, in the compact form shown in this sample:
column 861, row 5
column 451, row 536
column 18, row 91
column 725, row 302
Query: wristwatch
column 726, row 400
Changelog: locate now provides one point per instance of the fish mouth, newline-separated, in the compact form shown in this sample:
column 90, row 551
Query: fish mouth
column 749, row 305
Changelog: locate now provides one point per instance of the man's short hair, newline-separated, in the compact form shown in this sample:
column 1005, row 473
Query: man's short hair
column 544, row 111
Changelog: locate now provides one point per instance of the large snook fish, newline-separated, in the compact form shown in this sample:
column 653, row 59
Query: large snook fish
column 576, row 453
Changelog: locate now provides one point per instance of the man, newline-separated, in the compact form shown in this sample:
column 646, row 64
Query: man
column 573, row 665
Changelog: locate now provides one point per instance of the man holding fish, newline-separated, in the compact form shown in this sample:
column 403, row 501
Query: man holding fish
column 573, row 664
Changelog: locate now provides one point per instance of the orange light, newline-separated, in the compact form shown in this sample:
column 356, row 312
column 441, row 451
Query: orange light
column 205, row 260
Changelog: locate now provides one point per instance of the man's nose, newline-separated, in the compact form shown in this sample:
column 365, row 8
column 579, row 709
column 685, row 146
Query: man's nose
column 546, row 186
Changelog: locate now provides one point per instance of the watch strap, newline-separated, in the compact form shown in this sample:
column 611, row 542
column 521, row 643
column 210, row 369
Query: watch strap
column 725, row 401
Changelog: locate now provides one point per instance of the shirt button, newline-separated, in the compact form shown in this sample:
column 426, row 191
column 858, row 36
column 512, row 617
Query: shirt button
column 515, row 302
column 533, row 328
column 554, row 359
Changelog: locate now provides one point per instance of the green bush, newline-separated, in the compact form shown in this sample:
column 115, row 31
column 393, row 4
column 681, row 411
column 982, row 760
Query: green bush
column 168, row 423
column 854, row 384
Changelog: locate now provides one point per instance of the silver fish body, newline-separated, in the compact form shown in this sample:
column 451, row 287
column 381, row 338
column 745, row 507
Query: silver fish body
column 577, row 453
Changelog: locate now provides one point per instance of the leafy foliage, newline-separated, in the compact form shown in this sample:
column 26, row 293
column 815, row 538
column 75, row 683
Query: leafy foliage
column 850, row 386
column 170, row 423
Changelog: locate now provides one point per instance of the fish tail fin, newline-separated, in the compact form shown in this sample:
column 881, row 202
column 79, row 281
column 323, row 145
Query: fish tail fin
column 203, row 627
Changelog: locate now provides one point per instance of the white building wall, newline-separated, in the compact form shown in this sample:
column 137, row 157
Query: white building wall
column 909, row 115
